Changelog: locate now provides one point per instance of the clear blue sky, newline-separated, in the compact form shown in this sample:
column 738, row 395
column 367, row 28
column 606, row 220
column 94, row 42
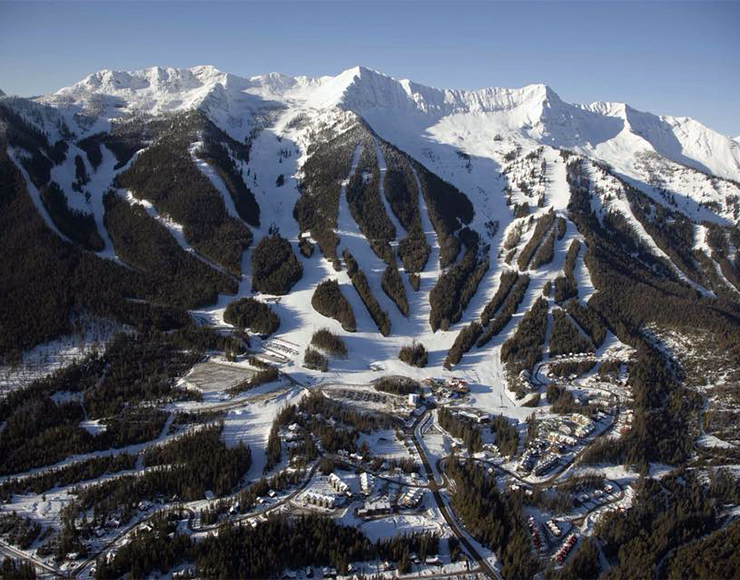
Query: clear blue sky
column 678, row 58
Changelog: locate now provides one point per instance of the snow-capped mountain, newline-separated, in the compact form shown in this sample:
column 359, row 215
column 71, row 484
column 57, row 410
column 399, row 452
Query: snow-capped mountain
column 613, row 132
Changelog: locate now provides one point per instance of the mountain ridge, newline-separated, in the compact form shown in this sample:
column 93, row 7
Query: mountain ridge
column 535, row 111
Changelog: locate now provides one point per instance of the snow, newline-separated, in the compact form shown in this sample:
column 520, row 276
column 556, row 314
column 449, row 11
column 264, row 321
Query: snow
column 701, row 245
column 707, row 440
column 399, row 525
column 93, row 334
column 610, row 131
column 250, row 424
column 605, row 202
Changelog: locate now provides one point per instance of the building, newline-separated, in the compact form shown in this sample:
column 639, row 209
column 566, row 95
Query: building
column 554, row 528
column 547, row 463
column 320, row 500
column 458, row 385
column 562, row 554
column 375, row 508
column 367, row 483
column 338, row 485
column 412, row 498
column 413, row 399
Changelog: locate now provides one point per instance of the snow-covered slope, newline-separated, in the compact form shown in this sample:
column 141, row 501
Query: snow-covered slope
column 500, row 148
column 609, row 131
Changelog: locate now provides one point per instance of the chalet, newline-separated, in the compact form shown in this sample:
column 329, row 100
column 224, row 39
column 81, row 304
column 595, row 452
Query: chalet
column 375, row 508
column 412, row 498
column 337, row 484
column 367, row 483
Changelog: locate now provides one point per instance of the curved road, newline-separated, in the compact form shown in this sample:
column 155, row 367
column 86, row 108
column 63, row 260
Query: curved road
column 434, row 487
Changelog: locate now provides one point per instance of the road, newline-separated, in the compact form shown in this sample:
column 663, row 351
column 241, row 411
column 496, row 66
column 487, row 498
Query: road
column 449, row 517
column 16, row 554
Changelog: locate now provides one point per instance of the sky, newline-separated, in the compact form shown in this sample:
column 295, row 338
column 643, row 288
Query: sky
column 673, row 58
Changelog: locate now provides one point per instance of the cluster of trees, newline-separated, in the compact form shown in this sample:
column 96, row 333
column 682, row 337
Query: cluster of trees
column 565, row 337
column 578, row 368
column 414, row 354
column 414, row 252
column 137, row 368
column 65, row 278
column 81, row 176
column 363, row 198
column 317, row 208
column 156, row 549
column 329, row 342
column 512, row 301
column 464, row 341
column 457, row 285
column 633, row 292
column 506, row 283
column 717, row 238
column 566, row 286
column 166, row 175
column 589, row 320
column 274, row 449
column 40, row 432
column 495, row 520
column 524, row 348
column 17, row 569
column 328, row 300
column 275, row 269
column 216, row 151
column 397, row 385
column 253, row 314
column 713, row 557
column 265, row 551
column 544, row 224
column 313, row 359
column 402, row 192
column 19, row 531
column 449, row 211
column 184, row 468
column 561, row 400
column 461, row 428
column 562, row 227
column 261, row 377
column 316, row 404
column 76, row 225
column 392, row 285
column 665, row 514
column 507, row 437
column 146, row 244
column 85, row 470
column 305, row 247
column 546, row 251
column 359, row 281
column 41, row 155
